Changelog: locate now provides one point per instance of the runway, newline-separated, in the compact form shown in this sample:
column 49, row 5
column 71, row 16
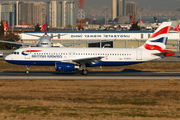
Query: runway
column 95, row 75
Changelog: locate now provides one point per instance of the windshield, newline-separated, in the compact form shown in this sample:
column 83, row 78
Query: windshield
column 17, row 53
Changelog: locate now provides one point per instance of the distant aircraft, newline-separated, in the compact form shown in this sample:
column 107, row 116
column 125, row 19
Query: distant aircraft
column 45, row 40
column 156, row 20
column 177, row 28
column 70, row 59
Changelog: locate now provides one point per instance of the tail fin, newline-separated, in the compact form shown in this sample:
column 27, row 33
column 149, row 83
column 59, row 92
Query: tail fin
column 46, row 26
column 156, row 20
column 177, row 28
column 43, row 27
column 132, row 20
column 159, row 38
column 6, row 28
column 142, row 21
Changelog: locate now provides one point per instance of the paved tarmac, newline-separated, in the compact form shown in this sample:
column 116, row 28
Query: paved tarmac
column 95, row 75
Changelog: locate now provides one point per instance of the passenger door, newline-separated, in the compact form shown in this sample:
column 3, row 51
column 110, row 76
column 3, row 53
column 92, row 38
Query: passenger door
column 139, row 55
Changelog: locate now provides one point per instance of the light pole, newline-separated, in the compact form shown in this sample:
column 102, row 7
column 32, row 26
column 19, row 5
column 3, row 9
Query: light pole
column 106, row 9
column 12, row 17
column 140, row 13
column 73, row 9
column 178, row 9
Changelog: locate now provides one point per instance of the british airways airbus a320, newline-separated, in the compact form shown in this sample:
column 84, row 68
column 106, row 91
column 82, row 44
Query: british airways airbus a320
column 70, row 59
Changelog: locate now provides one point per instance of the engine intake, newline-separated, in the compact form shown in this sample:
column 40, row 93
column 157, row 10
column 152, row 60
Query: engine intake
column 59, row 66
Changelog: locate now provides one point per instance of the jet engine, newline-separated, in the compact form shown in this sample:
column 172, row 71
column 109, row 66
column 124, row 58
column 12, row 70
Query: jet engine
column 62, row 66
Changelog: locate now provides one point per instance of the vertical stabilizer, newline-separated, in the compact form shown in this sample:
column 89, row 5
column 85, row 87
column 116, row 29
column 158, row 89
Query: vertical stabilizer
column 6, row 28
column 177, row 28
column 159, row 38
column 46, row 26
column 132, row 20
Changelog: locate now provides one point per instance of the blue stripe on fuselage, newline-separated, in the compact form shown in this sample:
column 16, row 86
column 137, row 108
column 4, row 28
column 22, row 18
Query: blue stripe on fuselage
column 52, row 63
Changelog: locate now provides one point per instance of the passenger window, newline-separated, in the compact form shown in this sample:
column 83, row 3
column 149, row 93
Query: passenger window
column 17, row 53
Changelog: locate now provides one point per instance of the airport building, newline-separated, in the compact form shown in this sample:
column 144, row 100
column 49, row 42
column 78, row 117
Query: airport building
column 115, row 39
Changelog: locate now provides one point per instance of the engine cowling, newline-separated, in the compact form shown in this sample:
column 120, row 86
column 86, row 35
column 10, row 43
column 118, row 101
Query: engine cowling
column 59, row 66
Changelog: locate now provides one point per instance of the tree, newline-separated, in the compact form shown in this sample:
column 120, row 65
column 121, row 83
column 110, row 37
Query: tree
column 1, row 31
column 9, row 37
column 37, row 27
column 69, row 26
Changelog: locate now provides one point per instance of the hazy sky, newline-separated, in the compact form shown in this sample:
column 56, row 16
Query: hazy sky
column 160, row 5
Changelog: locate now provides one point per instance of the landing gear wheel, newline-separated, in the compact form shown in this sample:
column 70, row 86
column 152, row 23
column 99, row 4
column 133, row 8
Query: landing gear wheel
column 27, row 69
column 84, row 72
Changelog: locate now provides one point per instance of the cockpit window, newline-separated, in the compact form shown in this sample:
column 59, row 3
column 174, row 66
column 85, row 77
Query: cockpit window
column 44, row 43
column 16, row 53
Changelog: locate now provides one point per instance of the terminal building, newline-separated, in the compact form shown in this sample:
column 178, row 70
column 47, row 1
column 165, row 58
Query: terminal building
column 114, row 39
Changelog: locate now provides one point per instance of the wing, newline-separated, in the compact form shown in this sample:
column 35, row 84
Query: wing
column 34, row 35
column 57, row 35
column 18, row 43
column 88, row 60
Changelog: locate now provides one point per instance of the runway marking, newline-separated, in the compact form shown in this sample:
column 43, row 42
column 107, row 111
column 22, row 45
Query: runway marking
column 171, row 80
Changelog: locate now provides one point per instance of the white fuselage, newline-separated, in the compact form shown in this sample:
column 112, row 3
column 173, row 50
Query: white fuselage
column 110, row 56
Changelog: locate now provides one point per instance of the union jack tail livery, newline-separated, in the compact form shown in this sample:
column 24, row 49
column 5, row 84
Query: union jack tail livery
column 132, row 20
column 6, row 28
column 159, row 39
column 177, row 28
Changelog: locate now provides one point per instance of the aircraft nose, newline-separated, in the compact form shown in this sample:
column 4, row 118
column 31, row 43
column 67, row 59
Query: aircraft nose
column 7, row 58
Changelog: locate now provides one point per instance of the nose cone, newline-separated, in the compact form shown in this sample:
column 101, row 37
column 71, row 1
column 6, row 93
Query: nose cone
column 7, row 58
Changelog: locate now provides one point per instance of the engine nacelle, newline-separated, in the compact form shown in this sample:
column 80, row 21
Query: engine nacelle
column 59, row 66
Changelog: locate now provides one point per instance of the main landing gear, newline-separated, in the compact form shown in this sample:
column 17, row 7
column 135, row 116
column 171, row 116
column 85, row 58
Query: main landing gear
column 84, row 71
column 27, row 69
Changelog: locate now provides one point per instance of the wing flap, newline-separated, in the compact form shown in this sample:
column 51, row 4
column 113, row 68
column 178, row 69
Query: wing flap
column 88, row 60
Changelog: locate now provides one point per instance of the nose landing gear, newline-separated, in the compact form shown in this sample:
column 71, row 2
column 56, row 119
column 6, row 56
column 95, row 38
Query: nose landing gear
column 27, row 69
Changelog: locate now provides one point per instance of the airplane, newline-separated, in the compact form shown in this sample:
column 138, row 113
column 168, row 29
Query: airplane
column 71, row 59
column 45, row 40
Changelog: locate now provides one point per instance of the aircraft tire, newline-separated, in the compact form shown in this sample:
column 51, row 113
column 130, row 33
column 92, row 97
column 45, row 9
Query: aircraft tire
column 84, row 72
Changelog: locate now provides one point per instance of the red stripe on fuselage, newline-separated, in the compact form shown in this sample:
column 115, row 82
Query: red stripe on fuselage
column 32, row 51
column 162, row 31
